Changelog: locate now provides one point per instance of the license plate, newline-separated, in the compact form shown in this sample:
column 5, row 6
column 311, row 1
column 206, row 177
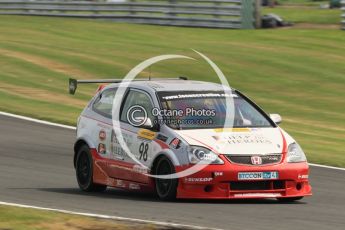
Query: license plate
column 258, row 175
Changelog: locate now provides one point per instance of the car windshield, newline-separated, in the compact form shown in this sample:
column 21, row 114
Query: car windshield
column 200, row 109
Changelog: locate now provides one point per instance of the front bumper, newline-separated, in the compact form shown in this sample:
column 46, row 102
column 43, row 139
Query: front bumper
column 221, row 182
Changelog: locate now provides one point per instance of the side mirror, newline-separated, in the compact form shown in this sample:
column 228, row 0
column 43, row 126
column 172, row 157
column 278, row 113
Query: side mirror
column 276, row 118
column 149, row 125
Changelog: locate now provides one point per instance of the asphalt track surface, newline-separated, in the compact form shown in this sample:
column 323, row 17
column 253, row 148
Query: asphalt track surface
column 36, row 169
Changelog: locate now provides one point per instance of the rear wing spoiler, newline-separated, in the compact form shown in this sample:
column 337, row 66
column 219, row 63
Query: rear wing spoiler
column 73, row 83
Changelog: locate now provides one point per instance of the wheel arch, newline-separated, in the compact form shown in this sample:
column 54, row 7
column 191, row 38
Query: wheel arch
column 77, row 145
column 168, row 154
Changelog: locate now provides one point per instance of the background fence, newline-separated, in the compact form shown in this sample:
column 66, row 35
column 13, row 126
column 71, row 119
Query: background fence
column 343, row 15
column 196, row 13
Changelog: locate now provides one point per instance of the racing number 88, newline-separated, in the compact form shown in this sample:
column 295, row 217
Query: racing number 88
column 143, row 148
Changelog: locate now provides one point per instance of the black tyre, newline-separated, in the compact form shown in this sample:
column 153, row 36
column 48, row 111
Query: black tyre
column 84, row 171
column 290, row 199
column 165, row 188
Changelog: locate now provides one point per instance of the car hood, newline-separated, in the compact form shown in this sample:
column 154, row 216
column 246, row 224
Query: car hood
column 239, row 141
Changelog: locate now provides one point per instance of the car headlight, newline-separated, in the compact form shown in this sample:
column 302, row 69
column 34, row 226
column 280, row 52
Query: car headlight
column 295, row 154
column 198, row 154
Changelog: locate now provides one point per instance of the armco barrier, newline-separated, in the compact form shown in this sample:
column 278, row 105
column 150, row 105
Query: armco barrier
column 236, row 14
column 343, row 15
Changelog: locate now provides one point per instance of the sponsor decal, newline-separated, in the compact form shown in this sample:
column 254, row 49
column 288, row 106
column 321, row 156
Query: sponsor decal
column 199, row 95
column 162, row 137
column 102, row 135
column 146, row 134
column 215, row 174
column 110, row 181
column 257, row 195
column 256, row 160
column 242, row 138
column 258, row 175
column 303, row 176
column 273, row 158
column 222, row 130
column 102, row 148
column 117, row 151
column 120, row 184
column 140, row 169
column 134, row 186
column 195, row 179
column 175, row 143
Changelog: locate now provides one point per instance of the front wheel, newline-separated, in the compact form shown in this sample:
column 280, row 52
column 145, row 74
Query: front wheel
column 84, row 171
column 289, row 199
column 166, row 189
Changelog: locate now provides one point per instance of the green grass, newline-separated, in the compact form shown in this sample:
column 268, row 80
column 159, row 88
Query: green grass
column 303, row 2
column 31, row 219
column 298, row 73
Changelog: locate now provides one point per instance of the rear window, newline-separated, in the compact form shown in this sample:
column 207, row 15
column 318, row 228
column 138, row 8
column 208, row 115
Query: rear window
column 104, row 102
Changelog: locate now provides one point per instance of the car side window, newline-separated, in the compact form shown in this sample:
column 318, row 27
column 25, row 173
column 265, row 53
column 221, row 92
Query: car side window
column 104, row 103
column 137, row 98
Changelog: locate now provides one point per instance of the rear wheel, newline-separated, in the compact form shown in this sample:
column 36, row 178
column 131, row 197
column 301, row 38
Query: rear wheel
column 165, row 188
column 289, row 199
column 84, row 171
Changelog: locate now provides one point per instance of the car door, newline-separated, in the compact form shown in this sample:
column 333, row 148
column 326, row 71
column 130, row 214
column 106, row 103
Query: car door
column 138, row 140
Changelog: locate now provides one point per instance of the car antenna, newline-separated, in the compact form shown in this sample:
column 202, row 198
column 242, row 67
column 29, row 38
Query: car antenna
column 150, row 73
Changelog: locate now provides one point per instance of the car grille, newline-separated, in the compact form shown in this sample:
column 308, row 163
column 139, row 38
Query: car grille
column 257, row 185
column 246, row 160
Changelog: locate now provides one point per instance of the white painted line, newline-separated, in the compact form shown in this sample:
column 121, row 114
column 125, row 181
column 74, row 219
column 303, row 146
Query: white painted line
column 167, row 224
column 37, row 120
column 71, row 127
column 326, row 166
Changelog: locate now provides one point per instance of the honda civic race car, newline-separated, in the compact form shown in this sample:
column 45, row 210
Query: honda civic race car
column 177, row 127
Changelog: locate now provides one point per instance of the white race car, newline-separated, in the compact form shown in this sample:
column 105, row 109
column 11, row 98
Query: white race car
column 168, row 136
